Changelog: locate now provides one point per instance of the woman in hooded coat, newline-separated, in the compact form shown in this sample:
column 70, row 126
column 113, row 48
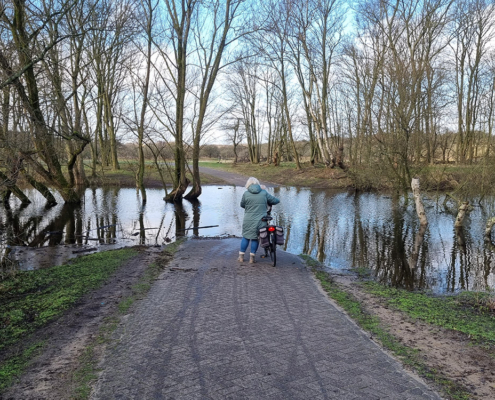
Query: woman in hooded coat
column 255, row 202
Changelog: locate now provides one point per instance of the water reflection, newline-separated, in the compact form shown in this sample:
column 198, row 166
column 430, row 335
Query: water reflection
column 340, row 229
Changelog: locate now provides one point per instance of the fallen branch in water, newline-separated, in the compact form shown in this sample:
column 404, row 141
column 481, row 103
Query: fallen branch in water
column 199, row 227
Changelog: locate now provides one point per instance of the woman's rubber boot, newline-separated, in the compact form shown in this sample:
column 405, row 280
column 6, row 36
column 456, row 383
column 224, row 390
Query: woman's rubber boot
column 251, row 258
column 241, row 257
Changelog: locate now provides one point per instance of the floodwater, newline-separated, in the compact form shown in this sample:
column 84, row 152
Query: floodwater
column 342, row 230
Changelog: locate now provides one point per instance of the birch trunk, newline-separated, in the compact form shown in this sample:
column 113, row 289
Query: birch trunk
column 461, row 214
column 419, row 204
column 418, row 241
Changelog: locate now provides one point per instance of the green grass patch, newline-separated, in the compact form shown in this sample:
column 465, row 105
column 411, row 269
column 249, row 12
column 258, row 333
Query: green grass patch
column 362, row 273
column 31, row 299
column 373, row 325
column 311, row 262
column 15, row 365
column 213, row 164
column 126, row 176
column 468, row 312
column 142, row 287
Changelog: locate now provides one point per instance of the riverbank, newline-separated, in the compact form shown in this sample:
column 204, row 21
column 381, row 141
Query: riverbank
column 125, row 177
column 447, row 340
column 459, row 180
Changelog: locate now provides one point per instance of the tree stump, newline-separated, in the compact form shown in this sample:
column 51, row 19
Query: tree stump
column 461, row 214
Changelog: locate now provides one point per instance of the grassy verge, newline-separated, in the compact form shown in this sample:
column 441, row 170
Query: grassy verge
column 31, row 299
column 126, row 176
column 373, row 325
column 87, row 370
column 469, row 312
column 228, row 166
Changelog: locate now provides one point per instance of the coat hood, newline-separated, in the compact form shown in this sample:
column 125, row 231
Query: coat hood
column 254, row 189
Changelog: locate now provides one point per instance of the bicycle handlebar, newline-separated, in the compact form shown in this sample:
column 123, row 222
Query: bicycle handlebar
column 268, row 217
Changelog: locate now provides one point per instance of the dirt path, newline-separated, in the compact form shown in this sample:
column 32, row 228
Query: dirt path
column 212, row 328
column 231, row 178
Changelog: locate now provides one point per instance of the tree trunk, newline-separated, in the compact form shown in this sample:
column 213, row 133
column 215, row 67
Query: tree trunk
column 40, row 187
column 5, row 114
column 11, row 188
column 111, row 132
column 176, row 195
column 418, row 241
column 419, row 204
column 181, row 182
column 461, row 214
column 340, row 159
column 196, row 190
column 488, row 229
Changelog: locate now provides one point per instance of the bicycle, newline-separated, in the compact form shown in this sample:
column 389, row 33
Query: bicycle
column 271, row 249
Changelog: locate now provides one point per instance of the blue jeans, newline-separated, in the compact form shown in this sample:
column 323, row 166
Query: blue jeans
column 254, row 245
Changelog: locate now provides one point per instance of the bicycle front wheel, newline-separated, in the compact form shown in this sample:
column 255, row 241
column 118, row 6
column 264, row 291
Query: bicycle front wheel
column 273, row 249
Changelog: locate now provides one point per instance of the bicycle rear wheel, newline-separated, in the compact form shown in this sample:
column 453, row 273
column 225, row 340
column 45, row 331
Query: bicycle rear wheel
column 273, row 248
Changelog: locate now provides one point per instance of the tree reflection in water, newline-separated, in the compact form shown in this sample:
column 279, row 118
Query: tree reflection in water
column 342, row 230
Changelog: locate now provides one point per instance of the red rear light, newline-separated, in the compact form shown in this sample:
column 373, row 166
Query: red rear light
column 271, row 229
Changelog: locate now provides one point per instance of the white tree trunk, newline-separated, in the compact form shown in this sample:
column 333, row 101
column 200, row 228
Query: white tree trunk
column 419, row 204
column 418, row 241
column 461, row 214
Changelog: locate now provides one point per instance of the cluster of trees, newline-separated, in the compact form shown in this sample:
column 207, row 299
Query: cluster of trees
column 394, row 84
column 407, row 83
column 81, row 73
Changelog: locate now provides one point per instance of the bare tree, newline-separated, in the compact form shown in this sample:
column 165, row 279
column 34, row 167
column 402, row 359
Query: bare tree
column 314, row 43
column 221, row 17
column 33, row 36
column 473, row 28
column 273, row 42
column 244, row 95
column 234, row 134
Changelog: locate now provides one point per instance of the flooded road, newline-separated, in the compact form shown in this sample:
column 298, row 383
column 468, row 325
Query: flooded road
column 342, row 230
